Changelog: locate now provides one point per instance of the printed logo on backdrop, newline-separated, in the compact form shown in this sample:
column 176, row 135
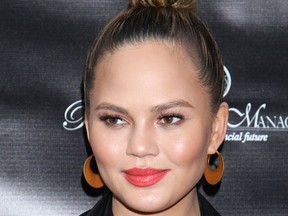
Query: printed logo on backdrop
column 250, row 124
column 73, row 116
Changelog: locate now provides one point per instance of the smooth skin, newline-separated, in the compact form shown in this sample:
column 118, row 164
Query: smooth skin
column 149, row 110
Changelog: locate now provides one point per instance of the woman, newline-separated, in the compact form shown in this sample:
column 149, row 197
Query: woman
column 154, row 113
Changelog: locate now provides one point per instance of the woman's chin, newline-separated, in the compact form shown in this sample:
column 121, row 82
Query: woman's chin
column 143, row 203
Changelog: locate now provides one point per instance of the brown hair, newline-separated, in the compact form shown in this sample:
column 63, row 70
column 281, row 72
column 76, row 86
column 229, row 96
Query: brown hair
column 170, row 20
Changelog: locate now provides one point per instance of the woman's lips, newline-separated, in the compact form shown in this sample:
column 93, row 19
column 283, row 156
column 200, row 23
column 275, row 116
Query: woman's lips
column 144, row 177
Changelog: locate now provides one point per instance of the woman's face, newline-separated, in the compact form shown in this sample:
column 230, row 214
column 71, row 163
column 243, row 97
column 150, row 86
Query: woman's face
column 150, row 126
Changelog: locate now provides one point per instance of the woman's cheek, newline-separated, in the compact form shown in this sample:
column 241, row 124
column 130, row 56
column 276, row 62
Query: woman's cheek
column 105, row 146
column 186, row 147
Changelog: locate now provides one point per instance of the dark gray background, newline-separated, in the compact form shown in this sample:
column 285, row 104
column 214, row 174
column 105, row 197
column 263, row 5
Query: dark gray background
column 43, row 46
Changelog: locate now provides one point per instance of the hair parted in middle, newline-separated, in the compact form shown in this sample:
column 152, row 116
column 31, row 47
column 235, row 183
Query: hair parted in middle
column 161, row 20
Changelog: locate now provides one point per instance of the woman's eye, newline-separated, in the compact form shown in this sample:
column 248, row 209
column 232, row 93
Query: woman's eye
column 170, row 119
column 110, row 120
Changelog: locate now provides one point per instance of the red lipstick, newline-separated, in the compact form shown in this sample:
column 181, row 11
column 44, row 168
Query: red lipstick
column 144, row 177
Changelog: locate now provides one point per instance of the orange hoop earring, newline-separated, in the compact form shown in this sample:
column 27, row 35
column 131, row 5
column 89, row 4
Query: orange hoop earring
column 213, row 176
column 93, row 179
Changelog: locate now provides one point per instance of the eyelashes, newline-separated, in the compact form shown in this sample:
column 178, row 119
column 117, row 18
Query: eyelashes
column 171, row 118
column 164, row 119
column 112, row 119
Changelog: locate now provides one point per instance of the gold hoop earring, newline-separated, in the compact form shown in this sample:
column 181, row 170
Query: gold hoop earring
column 93, row 179
column 213, row 176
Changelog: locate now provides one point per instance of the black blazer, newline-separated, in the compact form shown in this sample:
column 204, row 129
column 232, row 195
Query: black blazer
column 104, row 207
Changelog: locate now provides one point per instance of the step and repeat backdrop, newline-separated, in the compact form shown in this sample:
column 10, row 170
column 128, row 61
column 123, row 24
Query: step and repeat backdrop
column 43, row 46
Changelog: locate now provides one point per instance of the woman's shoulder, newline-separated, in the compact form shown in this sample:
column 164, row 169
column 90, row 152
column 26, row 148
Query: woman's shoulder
column 102, row 208
column 206, row 208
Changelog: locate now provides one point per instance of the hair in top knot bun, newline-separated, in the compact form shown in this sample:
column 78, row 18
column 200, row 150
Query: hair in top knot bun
column 172, row 21
column 180, row 4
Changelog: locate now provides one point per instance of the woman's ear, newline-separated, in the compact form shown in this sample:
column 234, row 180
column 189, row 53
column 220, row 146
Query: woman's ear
column 219, row 128
column 87, row 125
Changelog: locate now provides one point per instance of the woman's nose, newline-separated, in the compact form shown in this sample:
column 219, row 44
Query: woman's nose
column 142, row 142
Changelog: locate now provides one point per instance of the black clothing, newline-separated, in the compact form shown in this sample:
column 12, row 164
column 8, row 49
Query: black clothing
column 104, row 207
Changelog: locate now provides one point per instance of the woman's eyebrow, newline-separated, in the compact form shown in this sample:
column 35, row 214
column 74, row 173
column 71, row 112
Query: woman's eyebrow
column 169, row 105
column 108, row 106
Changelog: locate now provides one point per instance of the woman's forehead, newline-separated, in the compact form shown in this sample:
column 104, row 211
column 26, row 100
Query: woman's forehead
column 147, row 73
